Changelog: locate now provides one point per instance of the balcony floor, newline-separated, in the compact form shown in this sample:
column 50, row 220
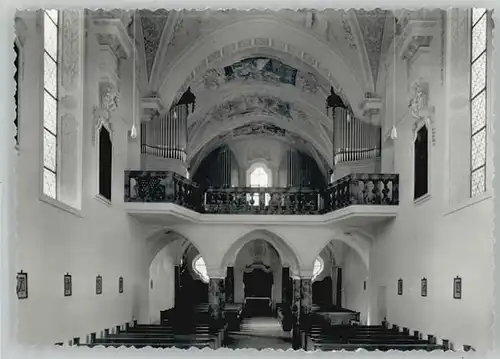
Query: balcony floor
column 170, row 214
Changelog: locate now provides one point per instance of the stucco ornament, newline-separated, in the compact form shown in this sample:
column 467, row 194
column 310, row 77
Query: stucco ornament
column 70, row 48
column 418, row 102
column 110, row 99
column 102, row 114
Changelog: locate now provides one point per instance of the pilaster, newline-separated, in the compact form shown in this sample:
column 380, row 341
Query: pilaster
column 115, row 45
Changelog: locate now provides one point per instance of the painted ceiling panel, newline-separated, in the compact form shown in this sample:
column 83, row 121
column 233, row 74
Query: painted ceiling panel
column 372, row 25
column 153, row 23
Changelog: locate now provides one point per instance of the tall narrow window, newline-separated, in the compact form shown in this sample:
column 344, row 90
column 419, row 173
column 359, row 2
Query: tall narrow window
column 17, row 78
column 478, row 96
column 50, row 102
column 105, row 163
column 421, row 165
column 259, row 178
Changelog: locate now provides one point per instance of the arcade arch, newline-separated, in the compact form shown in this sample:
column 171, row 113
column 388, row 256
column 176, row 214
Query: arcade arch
column 286, row 254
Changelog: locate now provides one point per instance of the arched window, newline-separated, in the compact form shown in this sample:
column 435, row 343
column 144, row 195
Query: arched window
column 105, row 163
column 259, row 177
column 50, row 103
column 421, row 163
column 318, row 267
column 17, row 77
column 200, row 268
column 478, row 99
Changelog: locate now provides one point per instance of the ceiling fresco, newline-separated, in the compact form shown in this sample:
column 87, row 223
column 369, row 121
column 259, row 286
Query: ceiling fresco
column 269, row 75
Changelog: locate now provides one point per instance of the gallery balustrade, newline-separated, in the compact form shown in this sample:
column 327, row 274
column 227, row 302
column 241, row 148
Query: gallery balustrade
column 170, row 187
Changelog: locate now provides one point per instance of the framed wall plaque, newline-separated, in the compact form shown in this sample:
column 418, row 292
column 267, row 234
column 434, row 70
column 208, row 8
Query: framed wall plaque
column 98, row 285
column 457, row 287
column 22, row 285
column 120, row 285
column 68, row 285
column 400, row 286
column 423, row 287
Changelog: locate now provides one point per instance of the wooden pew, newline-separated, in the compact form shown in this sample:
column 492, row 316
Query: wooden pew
column 177, row 344
column 381, row 347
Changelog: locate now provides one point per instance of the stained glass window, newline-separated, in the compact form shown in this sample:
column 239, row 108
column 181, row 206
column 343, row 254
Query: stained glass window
column 318, row 267
column 200, row 268
column 478, row 96
column 50, row 101
column 259, row 178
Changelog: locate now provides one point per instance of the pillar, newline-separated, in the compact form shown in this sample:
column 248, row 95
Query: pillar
column 338, row 300
column 286, row 300
column 177, row 286
column 305, row 304
column 216, row 303
column 229, row 285
column 296, row 337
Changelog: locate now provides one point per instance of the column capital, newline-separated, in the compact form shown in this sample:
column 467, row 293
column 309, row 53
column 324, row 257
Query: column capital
column 305, row 273
column 371, row 107
column 216, row 273
column 416, row 34
column 112, row 31
column 151, row 106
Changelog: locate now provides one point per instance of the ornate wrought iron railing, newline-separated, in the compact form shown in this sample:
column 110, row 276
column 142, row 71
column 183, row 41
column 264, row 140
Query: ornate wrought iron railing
column 270, row 200
column 162, row 186
column 169, row 187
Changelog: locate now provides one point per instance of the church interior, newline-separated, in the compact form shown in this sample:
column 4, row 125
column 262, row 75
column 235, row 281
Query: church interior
column 315, row 180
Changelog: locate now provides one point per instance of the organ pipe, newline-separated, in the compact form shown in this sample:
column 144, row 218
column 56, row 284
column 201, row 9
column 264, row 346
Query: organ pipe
column 353, row 139
column 166, row 135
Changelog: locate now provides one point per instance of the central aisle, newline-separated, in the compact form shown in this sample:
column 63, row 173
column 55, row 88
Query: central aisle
column 260, row 333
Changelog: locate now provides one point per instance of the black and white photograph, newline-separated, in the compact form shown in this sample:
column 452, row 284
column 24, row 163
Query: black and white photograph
column 277, row 174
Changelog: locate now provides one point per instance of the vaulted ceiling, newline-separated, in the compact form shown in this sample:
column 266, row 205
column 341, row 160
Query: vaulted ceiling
column 262, row 72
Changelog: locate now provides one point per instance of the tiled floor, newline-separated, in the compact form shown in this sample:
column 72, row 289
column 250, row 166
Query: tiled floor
column 260, row 333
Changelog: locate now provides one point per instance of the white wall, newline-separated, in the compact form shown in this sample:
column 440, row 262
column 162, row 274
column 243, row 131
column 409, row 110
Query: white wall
column 266, row 149
column 100, row 239
column 162, row 273
column 362, row 166
column 246, row 258
column 444, row 236
column 354, row 273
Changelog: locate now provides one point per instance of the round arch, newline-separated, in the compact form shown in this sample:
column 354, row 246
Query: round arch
column 286, row 58
column 312, row 106
column 287, row 255
column 358, row 243
column 162, row 238
column 261, row 26
column 324, row 150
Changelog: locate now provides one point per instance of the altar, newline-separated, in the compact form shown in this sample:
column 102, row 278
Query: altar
column 257, row 307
